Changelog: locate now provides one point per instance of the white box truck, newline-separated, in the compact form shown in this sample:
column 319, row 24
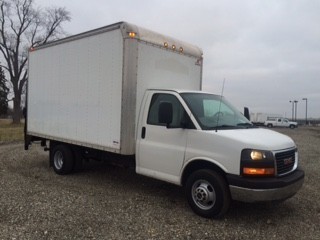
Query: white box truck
column 133, row 95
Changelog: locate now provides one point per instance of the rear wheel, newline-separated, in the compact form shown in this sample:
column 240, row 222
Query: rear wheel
column 78, row 159
column 62, row 159
column 208, row 194
column 292, row 126
column 269, row 125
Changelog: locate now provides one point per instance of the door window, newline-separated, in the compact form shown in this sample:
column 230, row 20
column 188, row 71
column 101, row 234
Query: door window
column 177, row 108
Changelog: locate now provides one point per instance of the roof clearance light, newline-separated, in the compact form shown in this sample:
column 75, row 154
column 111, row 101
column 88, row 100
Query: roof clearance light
column 165, row 44
column 31, row 49
column 132, row 34
column 173, row 47
column 181, row 49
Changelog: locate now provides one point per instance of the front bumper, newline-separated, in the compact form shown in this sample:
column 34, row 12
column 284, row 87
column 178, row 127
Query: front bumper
column 265, row 189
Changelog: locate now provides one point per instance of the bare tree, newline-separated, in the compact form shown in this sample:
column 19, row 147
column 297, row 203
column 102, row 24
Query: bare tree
column 22, row 26
column 3, row 93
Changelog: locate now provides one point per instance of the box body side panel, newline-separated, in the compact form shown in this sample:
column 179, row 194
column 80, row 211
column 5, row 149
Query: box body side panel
column 75, row 91
column 163, row 69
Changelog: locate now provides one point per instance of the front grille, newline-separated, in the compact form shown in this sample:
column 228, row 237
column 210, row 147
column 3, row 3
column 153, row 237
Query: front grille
column 285, row 161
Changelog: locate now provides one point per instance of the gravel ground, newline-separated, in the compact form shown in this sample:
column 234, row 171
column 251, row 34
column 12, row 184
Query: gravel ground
column 107, row 202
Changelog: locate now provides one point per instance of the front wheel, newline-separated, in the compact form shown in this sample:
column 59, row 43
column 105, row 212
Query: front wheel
column 208, row 194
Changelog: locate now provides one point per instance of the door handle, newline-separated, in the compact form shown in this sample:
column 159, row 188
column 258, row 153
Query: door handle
column 143, row 132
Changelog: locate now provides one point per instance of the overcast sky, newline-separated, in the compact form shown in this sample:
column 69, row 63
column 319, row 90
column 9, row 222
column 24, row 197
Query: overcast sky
column 268, row 52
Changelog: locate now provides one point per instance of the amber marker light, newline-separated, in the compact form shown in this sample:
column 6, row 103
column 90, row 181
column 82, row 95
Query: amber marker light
column 258, row 171
column 132, row 34
column 165, row 44
column 181, row 49
column 173, row 47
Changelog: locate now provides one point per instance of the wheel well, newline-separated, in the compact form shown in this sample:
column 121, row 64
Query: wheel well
column 200, row 164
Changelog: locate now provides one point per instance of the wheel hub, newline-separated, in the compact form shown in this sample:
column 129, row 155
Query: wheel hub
column 203, row 194
column 58, row 160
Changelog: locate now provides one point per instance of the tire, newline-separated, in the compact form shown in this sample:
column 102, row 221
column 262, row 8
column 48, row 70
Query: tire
column 292, row 126
column 62, row 159
column 269, row 125
column 78, row 159
column 208, row 194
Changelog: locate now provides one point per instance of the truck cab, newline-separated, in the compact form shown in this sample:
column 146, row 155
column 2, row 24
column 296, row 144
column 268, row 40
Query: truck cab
column 200, row 141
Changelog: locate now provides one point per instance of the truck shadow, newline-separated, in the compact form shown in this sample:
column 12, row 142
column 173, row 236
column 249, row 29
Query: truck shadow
column 171, row 196
column 103, row 175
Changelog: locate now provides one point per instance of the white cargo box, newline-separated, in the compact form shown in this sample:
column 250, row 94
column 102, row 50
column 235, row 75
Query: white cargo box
column 87, row 89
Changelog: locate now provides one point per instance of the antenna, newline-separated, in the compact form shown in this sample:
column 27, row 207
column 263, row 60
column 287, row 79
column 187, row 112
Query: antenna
column 220, row 104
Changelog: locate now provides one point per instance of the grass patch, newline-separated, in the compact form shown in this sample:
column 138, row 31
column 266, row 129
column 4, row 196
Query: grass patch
column 10, row 132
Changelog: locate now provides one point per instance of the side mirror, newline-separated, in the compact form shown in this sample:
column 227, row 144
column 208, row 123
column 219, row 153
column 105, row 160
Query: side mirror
column 246, row 113
column 165, row 113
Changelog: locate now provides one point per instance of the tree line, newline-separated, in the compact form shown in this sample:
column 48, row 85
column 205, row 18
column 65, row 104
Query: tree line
column 23, row 26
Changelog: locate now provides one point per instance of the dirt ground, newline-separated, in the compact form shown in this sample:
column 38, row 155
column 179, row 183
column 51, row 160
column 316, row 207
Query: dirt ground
column 107, row 202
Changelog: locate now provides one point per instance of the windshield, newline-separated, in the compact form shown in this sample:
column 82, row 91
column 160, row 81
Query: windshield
column 214, row 112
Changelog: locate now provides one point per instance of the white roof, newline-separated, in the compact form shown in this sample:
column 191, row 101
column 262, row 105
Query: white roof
column 160, row 39
column 142, row 34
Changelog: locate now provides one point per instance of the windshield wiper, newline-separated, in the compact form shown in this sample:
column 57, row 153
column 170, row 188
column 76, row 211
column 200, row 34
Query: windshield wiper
column 238, row 126
column 224, row 126
column 247, row 125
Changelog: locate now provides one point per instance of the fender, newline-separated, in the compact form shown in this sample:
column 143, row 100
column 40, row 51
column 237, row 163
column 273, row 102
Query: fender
column 203, row 163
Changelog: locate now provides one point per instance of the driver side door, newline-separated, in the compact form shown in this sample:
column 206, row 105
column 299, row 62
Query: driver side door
column 161, row 146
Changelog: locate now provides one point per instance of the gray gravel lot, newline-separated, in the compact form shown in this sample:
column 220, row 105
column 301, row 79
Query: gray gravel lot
column 107, row 202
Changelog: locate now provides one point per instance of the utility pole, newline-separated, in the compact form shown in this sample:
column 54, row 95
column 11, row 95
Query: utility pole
column 296, row 109
column 306, row 99
column 292, row 111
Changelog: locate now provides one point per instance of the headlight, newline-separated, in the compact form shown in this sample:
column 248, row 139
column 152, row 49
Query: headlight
column 257, row 155
column 257, row 163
